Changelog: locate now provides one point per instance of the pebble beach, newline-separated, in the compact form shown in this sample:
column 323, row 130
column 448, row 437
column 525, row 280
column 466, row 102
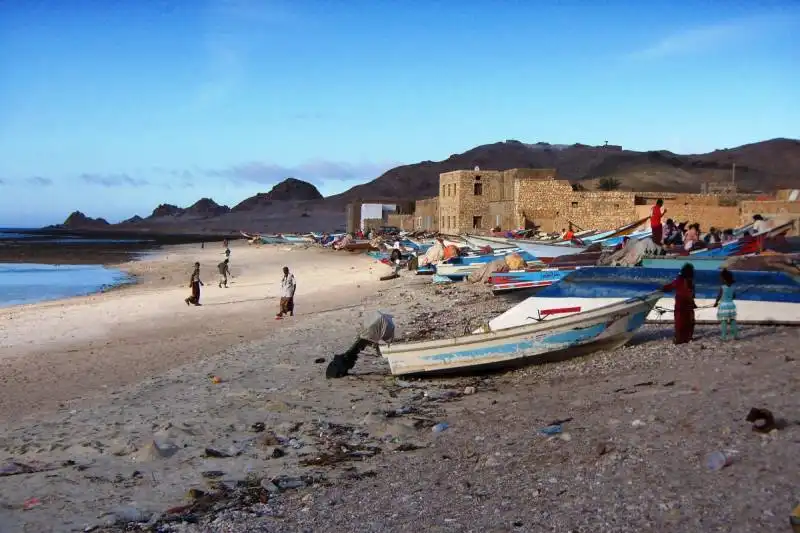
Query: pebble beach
column 130, row 408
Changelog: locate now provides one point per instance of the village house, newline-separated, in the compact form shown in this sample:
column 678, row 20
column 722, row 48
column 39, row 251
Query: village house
column 477, row 201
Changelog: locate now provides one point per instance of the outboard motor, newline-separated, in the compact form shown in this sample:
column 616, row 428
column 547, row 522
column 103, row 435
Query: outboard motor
column 378, row 327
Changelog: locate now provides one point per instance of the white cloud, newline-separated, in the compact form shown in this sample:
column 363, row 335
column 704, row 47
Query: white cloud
column 113, row 180
column 701, row 39
column 315, row 171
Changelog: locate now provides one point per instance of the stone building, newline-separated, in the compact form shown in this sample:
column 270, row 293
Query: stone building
column 475, row 201
column 479, row 200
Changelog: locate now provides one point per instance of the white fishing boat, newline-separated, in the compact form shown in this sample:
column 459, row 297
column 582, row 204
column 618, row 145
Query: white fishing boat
column 539, row 250
column 602, row 328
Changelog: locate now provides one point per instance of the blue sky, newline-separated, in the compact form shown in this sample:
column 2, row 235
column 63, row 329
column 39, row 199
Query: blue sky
column 112, row 107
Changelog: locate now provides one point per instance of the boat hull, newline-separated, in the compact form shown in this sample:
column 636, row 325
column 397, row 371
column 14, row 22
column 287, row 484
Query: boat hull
column 676, row 263
column 537, row 308
column 575, row 335
column 526, row 279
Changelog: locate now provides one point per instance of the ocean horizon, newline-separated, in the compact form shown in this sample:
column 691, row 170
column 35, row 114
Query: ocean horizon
column 20, row 233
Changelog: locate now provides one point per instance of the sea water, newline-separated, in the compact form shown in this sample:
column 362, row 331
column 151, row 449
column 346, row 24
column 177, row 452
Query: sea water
column 24, row 283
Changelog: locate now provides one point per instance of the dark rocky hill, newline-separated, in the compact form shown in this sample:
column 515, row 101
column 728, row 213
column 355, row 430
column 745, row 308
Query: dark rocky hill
column 765, row 166
column 77, row 220
column 288, row 190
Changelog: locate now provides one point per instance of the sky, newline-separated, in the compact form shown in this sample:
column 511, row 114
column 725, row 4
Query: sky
column 112, row 107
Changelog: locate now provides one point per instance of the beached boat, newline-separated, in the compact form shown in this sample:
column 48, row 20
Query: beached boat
column 676, row 263
column 542, row 252
column 297, row 239
column 527, row 279
column 602, row 328
column 761, row 297
column 462, row 266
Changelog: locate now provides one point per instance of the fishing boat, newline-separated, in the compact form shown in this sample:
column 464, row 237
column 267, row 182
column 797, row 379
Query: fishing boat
column 527, row 279
column 761, row 297
column 601, row 328
column 297, row 239
column 462, row 266
column 676, row 263
column 542, row 252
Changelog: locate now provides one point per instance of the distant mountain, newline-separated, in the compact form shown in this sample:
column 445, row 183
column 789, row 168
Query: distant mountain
column 765, row 165
column 77, row 220
column 289, row 190
column 206, row 207
column 166, row 210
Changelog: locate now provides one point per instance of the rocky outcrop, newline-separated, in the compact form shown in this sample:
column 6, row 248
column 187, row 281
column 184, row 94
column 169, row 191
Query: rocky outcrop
column 77, row 220
column 288, row 190
column 167, row 210
column 135, row 219
column 206, row 207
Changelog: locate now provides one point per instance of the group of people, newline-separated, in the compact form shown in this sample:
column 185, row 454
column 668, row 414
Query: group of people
column 689, row 236
column 288, row 284
column 683, row 286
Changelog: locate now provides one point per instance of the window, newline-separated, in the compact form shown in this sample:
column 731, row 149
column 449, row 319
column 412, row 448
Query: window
column 477, row 222
column 574, row 204
column 478, row 189
column 452, row 223
column 497, row 221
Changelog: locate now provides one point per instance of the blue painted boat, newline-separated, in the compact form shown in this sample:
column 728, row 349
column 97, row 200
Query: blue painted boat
column 627, row 282
column 527, row 279
column 676, row 263
column 761, row 297
column 272, row 239
column 556, row 340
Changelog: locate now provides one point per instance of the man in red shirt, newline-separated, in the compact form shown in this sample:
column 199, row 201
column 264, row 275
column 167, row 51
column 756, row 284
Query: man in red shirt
column 655, row 221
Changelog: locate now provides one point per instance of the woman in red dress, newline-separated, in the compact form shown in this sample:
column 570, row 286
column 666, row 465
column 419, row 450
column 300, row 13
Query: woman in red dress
column 683, row 286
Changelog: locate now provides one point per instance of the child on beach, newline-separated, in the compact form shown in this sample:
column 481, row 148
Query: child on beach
column 726, row 307
column 194, row 284
column 683, row 286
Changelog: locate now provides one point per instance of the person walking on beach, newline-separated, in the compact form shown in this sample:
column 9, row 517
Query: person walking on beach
column 726, row 307
column 194, row 284
column 683, row 286
column 655, row 221
column 224, row 272
column 288, row 286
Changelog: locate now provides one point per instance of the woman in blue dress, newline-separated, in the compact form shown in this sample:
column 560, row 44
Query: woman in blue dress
column 726, row 307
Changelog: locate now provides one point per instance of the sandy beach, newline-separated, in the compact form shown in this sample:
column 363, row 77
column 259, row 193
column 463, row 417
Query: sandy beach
column 110, row 398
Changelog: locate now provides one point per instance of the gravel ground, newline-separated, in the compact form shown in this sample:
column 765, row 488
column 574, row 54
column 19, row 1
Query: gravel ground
column 638, row 424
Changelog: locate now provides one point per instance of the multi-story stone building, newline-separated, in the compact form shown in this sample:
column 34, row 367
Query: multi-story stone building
column 480, row 200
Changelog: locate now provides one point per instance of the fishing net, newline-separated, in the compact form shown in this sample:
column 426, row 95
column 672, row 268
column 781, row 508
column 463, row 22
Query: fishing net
column 434, row 254
column 483, row 273
column 515, row 262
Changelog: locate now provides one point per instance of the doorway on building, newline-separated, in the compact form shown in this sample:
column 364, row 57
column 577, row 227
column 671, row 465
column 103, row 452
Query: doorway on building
column 477, row 222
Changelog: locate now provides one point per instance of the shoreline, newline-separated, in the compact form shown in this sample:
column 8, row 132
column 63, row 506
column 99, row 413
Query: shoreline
column 80, row 336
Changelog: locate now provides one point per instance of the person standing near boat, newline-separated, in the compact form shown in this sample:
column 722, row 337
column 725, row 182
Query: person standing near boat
column 288, row 287
column 726, row 307
column 683, row 286
column 570, row 234
column 194, row 284
column 655, row 221
column 759, row 224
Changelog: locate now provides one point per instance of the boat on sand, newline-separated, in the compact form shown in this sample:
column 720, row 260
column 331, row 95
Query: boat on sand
column 606, row 327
